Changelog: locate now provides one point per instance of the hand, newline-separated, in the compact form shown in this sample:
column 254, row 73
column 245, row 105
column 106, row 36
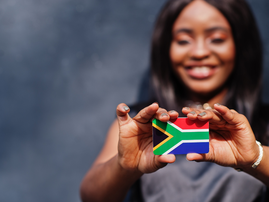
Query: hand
column 232, row 142
column 135, row 148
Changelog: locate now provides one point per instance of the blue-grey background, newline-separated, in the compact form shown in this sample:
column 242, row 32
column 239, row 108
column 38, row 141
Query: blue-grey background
column 64, row 67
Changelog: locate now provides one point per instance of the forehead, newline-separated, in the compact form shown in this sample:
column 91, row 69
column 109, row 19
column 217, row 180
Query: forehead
column 200, row 14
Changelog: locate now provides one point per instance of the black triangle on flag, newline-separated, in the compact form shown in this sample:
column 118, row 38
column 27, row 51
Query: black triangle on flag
column 158, row 136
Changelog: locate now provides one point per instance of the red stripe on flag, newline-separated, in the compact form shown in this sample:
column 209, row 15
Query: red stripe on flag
column 186, row 123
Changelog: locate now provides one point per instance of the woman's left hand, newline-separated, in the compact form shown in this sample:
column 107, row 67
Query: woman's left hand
column 232, row 141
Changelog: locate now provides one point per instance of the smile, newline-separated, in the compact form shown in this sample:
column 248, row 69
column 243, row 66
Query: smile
column 200, row 72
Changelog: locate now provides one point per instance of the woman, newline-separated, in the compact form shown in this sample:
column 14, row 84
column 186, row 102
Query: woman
column 202, row 51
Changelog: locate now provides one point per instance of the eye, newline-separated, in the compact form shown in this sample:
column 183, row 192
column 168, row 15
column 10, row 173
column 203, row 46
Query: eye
column 217, row 40
column 183, row 42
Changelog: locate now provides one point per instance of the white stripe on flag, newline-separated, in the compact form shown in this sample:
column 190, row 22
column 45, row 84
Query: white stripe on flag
column 187, row 130
column 181, row 142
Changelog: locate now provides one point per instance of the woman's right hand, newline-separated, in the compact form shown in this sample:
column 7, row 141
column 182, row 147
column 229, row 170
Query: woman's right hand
column 135, row 147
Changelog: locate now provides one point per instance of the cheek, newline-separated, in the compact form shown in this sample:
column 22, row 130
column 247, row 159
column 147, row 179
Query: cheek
column 177, row 54
column 226, row 53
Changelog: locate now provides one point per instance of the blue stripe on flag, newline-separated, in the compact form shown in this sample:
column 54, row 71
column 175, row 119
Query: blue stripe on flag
column 199, row 147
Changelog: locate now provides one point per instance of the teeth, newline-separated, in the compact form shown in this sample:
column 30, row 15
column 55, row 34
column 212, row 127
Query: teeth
column 202, row 70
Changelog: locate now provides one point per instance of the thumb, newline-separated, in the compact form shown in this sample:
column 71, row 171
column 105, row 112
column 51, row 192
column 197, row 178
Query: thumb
column 122, row 113
column 208, row 157
column 147, row 114
column 196, row 157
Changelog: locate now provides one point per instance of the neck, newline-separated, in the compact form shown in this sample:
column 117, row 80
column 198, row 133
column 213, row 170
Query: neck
column 211, row 99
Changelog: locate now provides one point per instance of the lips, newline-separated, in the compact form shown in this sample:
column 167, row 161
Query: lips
column 200, row 72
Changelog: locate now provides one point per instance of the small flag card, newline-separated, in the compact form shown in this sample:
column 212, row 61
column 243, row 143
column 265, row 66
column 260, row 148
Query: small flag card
column 180, row 136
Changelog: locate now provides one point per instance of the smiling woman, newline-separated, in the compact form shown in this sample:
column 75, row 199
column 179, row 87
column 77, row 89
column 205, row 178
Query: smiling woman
column 202, row 51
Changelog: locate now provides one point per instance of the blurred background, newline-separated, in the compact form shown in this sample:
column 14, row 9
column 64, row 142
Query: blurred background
column 64, row 67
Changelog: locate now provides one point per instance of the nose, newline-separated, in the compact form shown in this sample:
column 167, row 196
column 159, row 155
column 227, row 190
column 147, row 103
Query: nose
column 199, row 50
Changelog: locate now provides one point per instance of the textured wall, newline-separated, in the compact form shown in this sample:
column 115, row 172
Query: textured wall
column 64, row 66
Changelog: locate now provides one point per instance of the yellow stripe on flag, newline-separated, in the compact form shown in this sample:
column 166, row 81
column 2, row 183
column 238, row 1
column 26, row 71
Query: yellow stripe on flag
column 166, row 133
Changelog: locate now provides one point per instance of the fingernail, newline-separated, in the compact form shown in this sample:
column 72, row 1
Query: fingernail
column 218, row 104
column 192, row 112
column 199, row 106
column 202, row 114
column 172, row 111
column 187, row 108
column 206, row 106
column 125, row 108
column 164, row 114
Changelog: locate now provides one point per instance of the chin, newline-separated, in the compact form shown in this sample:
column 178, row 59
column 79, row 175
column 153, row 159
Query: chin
column 202, row 90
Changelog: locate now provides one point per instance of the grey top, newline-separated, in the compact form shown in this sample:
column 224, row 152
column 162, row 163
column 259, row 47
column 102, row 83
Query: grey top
column 200, row 182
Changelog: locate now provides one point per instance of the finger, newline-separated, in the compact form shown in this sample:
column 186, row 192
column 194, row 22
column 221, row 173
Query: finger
column 186, row 110
column 196, row 105
column 204, row 115
column 210, row 115
column 227, row 114
column 148, row 113
column 162, row 115
column 206, row 106
column 196, row 157
column 215, row 119
column 233, row 111
column 192, row 115
column 173, row 114
column 162, row 160
column 122, row 113
column 201, row 157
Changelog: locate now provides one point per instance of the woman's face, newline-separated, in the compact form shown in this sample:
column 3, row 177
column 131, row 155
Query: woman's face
column 202, row 50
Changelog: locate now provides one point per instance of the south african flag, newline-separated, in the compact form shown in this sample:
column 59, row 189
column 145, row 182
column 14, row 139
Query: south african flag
column 180, row 136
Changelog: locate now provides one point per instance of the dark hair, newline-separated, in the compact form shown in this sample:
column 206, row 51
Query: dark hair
column 245, row 81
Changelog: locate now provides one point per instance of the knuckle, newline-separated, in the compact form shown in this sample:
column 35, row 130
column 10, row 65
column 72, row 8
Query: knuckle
column 233, row 111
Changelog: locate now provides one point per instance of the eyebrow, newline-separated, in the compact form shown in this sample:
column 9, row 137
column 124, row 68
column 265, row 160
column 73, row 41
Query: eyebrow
column 216, row 28
column 211, row 29
column 185, row 30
